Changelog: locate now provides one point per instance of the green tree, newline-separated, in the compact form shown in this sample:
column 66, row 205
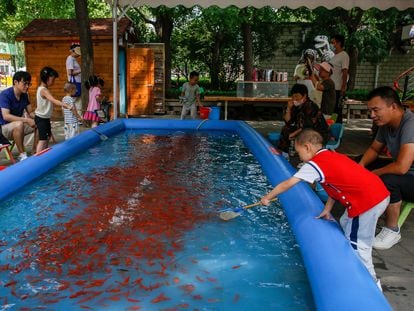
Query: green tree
column 163, row 20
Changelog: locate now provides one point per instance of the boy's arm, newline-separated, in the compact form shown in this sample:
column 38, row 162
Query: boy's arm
column 75, row 112
column 326, row 213
column 280, row 188
column 198, row 100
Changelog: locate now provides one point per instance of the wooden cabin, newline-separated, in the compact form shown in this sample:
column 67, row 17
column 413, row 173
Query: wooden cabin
column 47, row 43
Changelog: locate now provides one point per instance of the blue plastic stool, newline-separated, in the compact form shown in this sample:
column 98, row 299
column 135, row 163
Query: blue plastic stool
column 274, row 137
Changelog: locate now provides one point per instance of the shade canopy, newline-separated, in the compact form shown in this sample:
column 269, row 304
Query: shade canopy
column 293, row 4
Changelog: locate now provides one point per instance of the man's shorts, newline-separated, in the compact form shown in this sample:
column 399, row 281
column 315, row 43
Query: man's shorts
column 400, row 186
column 8, row 128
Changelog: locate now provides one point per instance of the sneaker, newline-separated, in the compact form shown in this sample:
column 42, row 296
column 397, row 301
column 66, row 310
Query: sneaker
column 386, row 239
column 378, row 282
column 22, row 156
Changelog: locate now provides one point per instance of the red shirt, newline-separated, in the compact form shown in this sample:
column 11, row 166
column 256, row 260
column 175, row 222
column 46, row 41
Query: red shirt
column 356, row 188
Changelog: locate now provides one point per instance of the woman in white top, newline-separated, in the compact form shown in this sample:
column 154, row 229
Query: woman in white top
column 44, row 109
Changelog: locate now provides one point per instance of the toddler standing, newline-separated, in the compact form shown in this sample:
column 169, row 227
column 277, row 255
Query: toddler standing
column 190, row 96
column 94, row 86
column 71, row 116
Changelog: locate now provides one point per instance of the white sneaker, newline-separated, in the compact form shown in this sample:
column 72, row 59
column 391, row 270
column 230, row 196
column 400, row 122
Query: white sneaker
column 378, row 282
column 22, row 156
column 386, row 239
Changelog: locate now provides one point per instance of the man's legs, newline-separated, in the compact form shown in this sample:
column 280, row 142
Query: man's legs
column 338, row 107
column 400, row 187
column 15, row 131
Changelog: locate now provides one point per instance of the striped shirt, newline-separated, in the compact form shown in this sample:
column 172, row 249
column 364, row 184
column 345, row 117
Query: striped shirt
column 68, row 115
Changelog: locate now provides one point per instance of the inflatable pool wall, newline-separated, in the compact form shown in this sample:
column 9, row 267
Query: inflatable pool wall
column 338, row 278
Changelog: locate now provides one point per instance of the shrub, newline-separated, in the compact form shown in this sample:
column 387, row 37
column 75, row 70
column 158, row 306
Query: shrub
column 358, row 94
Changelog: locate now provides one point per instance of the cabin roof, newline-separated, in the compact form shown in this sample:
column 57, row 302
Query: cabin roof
column 62, row 29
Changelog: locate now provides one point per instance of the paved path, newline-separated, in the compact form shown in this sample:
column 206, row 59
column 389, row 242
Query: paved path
column 395, row 267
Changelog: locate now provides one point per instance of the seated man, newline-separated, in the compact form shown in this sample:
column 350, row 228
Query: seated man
column 396, row 132
column 16, row 114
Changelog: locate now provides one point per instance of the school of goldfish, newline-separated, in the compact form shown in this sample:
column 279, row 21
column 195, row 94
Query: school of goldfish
column 121, row 244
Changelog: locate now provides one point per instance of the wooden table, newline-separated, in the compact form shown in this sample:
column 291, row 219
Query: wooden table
column 227, row 99
column 351, row 104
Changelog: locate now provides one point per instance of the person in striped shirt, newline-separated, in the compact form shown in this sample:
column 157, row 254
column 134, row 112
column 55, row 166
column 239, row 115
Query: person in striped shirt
column 71, row 116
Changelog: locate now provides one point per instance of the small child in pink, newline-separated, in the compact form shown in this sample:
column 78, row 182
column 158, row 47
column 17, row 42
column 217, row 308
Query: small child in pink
column 94, row 84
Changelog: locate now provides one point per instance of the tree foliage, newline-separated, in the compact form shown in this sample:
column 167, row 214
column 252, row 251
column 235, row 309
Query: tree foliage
column 222, row 42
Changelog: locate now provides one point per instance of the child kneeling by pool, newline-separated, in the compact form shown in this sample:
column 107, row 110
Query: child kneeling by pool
column 361, row 192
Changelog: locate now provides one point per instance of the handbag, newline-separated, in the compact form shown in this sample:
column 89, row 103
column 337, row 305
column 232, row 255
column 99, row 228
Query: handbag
column 78, row 86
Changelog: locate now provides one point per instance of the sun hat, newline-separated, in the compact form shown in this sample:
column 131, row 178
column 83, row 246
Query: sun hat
column 75, row 47
column 77, row 50
column 326, row 66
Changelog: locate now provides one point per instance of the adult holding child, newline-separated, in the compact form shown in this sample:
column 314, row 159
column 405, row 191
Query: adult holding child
column 325, row 84
column 73, row 71
column 396, row 133
column 17, row 113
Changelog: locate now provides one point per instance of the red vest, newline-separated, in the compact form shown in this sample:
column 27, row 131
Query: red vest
column 356, row 188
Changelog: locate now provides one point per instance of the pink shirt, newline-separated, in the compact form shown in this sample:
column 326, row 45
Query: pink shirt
column 94, row 92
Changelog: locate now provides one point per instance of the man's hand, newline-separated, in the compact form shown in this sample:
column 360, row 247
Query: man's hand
column 30, row 122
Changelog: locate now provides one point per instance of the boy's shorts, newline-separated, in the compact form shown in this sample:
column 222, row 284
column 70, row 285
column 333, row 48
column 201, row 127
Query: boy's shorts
column 71, row 130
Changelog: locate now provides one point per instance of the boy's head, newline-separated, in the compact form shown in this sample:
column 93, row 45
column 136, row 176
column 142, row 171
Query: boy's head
column 194, row 75
column 69, row 88
column 307, row 143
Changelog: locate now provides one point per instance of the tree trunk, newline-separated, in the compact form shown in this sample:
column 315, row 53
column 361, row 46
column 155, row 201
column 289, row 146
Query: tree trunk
column 215, row 61
column 353, row 63
column 82, row 17
column 163, row 28
column 248, row 51
column 248, row 58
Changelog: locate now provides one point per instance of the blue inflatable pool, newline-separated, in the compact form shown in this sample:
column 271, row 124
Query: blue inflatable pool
column 337, row 277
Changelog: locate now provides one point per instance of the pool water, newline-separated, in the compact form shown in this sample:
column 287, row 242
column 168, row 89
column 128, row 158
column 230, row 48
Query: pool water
column 132, row 224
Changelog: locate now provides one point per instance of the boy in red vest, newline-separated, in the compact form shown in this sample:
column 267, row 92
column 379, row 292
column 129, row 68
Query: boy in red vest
column 361, row 192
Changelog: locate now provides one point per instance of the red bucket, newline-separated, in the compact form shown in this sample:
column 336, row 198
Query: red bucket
column 204, row 112
column 330, row 122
